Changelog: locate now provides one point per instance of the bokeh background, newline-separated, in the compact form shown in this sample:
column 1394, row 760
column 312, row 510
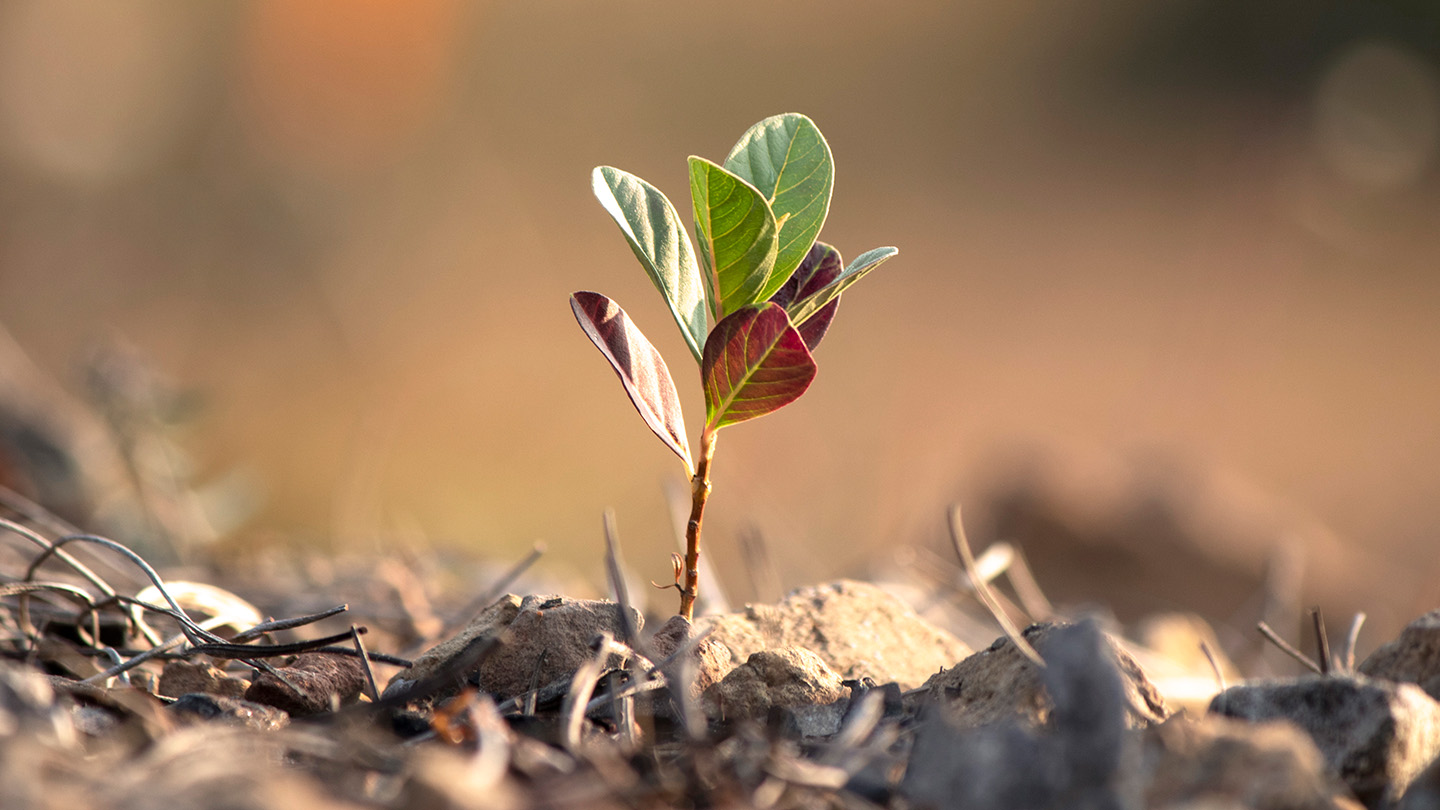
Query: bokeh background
column 1167, row 309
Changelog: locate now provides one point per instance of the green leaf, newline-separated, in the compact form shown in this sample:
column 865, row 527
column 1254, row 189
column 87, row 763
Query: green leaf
column 658, row 238
column 755, row 363
column 803, row 309
column 737, row 235
column 640, row 367
column 788, row 160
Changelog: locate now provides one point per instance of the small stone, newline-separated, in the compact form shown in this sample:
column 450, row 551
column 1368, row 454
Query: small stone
column 783, row 678
column 1375, row 735
column 197, row 707
column 1414, row 657
column 183, row 678
column 857, row 628
column 314, row 684
column 1000, row 683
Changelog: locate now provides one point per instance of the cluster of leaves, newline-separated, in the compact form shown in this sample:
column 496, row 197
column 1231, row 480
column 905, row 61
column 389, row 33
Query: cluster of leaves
column 764, row 282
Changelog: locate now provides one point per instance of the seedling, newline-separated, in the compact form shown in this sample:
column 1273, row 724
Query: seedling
column 769, row 288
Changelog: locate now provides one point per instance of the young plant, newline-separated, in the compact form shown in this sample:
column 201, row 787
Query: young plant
column 763, row 280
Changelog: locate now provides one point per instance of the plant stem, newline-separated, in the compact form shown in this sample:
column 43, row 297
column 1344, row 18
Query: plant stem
column 699, row 493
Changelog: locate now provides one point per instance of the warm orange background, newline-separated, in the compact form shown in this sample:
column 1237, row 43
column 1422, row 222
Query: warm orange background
column 1186, row 249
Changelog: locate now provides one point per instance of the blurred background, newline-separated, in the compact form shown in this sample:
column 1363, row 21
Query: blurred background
column 1165, row 313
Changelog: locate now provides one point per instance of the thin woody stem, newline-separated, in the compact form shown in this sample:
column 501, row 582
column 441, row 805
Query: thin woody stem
column 699, row 492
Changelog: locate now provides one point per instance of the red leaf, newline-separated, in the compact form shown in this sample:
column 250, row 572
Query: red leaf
column 754, row 363
column 640, row 367
column 820, row 266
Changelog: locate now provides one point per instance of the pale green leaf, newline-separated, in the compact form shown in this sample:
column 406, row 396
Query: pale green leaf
column 657, row 236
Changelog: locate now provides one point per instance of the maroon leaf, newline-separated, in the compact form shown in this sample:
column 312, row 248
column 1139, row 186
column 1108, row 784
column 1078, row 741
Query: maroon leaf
column 821, row 266
column 640, row 367
column 754, row 363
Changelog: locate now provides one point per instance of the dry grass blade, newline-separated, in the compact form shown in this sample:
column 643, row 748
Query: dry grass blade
column 191, row 628
column 48, row 548
column 1322, row 641
column 1022, row 579
column 1285, row 647
column 614, row 570
column 1214, row 665
column 982, row 588
column 1351, row 639
column 276, row 625
column 77, row 594
column 582, row 686
column 356, row 632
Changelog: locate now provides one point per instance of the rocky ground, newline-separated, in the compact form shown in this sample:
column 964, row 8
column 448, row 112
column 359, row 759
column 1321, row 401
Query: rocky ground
column 180, row 693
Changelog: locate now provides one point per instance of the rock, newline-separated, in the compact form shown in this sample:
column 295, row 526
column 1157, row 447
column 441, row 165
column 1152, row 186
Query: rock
column 1000, row 683
column 1078, row 761
column 314, row 684
column 546, row 638
column 1375, row 735
column 856, row 628
column 1265, row 766
column 198, row 707
column 183, row 678
column 1414, row 657
column 783, row 678
column 711, row 659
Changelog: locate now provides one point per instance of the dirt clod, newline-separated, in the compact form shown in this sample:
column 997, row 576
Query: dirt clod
column 783, row 678
column 856, row 628
column 998, row 683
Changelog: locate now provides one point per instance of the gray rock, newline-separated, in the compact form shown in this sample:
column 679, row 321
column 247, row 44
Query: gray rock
column 858, row 629
column 1375, row 735
column 1264, row 766
column 1414, row 657
column 784, row 678
column 1001, row 684
column 545, row 638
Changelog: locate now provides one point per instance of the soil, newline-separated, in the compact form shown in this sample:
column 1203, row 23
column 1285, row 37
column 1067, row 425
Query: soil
column 541, row 700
